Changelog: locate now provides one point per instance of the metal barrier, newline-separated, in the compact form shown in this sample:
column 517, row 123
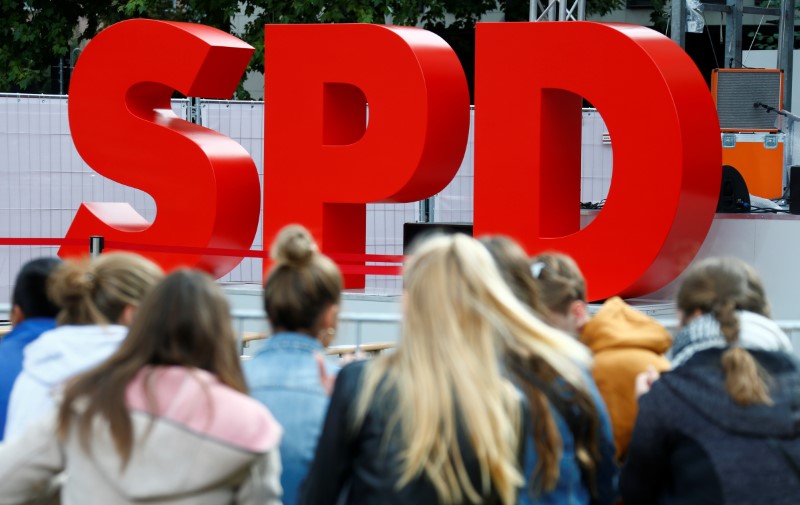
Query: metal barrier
column 252, row 326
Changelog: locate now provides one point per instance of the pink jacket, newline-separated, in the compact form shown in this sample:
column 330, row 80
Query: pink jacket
column 199, row 442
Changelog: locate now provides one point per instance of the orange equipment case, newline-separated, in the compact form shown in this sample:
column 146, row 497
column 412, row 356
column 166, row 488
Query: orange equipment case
column 751, row 141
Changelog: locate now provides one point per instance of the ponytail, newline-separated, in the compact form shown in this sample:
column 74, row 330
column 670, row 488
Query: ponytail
column 721, row 286
column 744, row 380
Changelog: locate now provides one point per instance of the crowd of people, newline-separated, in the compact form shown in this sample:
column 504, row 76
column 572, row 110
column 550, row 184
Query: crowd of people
column 120, row 385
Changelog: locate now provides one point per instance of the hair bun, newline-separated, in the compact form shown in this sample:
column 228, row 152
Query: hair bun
column 293, row 246
column 71, row 282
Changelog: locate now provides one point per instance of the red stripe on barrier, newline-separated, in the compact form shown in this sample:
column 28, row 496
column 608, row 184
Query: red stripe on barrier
column 210, row 251
column 378, row 258
column 218, row 251
column 371, row 269
column 42, row 241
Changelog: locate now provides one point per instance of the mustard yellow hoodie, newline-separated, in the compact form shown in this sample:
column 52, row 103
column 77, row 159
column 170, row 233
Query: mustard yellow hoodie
column 624, row 342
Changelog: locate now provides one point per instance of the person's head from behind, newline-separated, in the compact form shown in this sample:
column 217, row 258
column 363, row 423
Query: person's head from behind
column 303, row 289
column 451, row 284
column 514, row 266
column 721, row 287
column 102, row 290
column 29, row 298
column 717, row 285
column 184, row 321
column 450, row 350
column 563, row 291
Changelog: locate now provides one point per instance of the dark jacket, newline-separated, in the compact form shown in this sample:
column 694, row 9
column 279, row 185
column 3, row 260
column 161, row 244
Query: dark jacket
column 692, row 444
column 355, row 467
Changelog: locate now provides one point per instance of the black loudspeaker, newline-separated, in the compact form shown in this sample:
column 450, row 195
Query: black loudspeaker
column 733, row 195
column 414, row 231
column 737, row 90
column 794, row 189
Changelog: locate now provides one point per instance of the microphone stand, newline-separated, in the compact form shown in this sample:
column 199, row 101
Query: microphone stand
column 789, row 129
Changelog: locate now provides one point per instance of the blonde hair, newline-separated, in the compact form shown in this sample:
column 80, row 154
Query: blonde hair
column 560, row 281
column 301, row 284
column 721, row 286
column 96, row 291
column 460, row 319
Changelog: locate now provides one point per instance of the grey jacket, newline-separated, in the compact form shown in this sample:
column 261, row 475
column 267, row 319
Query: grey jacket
column 198, row 443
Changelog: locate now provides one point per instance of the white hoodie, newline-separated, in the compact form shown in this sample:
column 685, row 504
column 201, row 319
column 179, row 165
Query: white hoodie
column 49, row 361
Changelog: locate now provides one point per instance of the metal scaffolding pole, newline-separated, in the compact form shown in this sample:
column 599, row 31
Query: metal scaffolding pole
column 734, row 11
column 557, row 10
column 733, row 34
column 786, row 49
column 678, row 22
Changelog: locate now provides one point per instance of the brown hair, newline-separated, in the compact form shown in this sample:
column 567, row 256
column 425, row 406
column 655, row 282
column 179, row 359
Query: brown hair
column 546, row 392
column 302, row 283
column 514, row 266
column 97, row 291
column 185, row 321
column 721, row 286
column 537, row 378
column 560, row 281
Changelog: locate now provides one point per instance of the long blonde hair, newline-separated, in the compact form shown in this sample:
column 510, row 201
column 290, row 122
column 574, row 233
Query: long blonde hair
column 721, row 286
column 446, row 372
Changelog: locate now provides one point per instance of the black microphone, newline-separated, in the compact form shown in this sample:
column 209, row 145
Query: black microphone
column 756, row 105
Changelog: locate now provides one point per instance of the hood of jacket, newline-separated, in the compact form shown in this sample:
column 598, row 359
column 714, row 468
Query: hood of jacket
column 617, row 325
column 191, row 433
column 700, row 382
column 66, row 350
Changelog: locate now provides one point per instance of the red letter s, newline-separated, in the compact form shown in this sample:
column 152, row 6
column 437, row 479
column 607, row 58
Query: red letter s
column 205, row 185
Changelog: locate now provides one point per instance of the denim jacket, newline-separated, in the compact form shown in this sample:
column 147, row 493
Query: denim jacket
column 570, row 488
column 284, row 376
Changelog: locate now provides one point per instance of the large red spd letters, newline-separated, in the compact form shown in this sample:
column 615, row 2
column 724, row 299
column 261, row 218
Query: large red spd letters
column 328, row 154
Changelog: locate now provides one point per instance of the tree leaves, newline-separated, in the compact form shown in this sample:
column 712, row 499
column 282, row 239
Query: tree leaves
column 39, row 36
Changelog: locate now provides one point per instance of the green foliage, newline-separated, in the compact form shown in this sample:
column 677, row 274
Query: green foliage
column 767, row 36
column 457, row 29
column 660, row 15
column 38, row 36
column 764, row 40
column 33, row 36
